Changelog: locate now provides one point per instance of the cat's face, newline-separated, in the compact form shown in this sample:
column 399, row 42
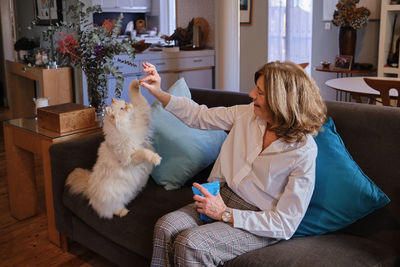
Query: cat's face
column 118, row 109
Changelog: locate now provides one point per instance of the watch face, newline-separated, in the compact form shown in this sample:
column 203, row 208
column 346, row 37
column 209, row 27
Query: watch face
column 226, row 216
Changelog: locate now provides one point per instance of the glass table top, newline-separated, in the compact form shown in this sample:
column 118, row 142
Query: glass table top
column 30, row 124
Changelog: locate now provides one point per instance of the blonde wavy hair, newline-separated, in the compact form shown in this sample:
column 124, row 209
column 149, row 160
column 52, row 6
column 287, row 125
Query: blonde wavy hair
column 293, row 100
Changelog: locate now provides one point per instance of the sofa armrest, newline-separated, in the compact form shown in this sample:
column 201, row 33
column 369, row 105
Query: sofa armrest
column 65, row 157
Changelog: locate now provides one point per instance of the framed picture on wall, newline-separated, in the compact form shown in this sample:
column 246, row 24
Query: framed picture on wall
column 246, row 7
column 47, row 11
column 343, row 62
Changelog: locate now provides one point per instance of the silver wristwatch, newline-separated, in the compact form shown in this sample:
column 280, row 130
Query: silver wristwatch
column 227, row 215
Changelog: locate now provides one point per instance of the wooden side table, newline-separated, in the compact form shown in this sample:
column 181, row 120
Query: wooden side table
column 344, row 73
column 55, row 84
column 23, row 138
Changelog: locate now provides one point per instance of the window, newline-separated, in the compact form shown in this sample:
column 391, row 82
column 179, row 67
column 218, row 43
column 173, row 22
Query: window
column 290, row 30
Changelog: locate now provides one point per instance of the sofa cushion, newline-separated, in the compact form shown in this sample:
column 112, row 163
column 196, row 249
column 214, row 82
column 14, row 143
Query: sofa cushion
column 343, row 193
column 185, row 151
column 333, row 249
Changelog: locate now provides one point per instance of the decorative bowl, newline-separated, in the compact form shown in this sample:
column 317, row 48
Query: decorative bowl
column 325, row 64
column 141, row 46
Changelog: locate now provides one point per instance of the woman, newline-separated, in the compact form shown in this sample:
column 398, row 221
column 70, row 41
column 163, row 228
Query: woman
column 266, row 166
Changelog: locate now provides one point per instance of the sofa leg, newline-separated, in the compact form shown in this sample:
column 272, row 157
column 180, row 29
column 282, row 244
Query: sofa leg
column 64, row 243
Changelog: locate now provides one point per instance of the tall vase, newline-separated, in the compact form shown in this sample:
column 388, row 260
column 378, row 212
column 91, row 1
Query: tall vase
column 97, row 91
column 347, row 41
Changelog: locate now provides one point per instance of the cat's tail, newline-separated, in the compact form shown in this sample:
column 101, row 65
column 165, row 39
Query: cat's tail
column 134, row 94
column 77, row 181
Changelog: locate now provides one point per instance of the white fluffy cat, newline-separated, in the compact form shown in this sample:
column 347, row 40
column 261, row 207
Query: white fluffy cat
column 125, row 158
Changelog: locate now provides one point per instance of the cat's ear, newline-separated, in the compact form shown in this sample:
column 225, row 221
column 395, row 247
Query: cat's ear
column 108, row 111
column 112, row 100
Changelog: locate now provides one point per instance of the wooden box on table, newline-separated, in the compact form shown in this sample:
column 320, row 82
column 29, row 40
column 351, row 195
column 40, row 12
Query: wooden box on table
column 66, row 117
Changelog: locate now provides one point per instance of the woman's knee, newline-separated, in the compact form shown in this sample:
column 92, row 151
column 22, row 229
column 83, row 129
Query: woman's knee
column 175, row 222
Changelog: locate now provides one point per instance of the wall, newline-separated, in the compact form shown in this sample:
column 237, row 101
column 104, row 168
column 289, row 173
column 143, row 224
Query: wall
column 325, row 46
column 253, row 45
column 25, row 15
column 188, row 9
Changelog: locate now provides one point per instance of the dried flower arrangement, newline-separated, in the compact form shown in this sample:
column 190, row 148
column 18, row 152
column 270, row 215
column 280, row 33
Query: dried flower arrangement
column 348, row 15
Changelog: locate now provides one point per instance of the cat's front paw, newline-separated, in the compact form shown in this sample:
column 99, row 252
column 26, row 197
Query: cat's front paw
column 122, row 212
column 156, row 159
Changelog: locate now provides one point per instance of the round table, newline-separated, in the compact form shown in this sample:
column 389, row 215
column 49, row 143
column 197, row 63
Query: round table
column 357, row 87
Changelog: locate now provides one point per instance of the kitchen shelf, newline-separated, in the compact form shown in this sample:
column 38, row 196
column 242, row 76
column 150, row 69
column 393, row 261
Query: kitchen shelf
column 392, row 7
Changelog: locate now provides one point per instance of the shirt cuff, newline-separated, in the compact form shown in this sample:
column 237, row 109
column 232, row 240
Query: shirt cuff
column 171, row 104
column 237, row 223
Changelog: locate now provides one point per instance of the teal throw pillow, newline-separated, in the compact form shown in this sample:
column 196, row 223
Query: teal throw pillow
column 185, row 151
column 343, row 193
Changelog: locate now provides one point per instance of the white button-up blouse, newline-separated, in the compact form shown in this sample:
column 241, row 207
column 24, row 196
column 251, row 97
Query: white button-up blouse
column 279, row 180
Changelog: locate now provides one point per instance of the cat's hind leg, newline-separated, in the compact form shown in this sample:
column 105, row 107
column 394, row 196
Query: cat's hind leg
column 145, row 154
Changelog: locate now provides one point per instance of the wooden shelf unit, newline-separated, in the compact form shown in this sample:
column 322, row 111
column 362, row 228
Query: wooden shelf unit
column 388, row 12
column 56, row 84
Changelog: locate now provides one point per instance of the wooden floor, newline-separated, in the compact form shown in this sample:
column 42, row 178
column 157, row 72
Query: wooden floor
column 24, row 243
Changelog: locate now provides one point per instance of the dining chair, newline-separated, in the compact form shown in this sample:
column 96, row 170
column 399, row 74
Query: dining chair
column 384, row 86
column 304, row 65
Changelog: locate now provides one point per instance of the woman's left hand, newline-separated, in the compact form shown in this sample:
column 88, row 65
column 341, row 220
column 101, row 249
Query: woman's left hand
column 210, row 205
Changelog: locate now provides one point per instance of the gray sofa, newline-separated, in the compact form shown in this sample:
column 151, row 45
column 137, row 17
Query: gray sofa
column 370, row 133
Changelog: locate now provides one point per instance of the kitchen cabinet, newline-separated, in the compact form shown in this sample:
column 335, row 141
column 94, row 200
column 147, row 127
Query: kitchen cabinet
column 109, row 3
column 124, row 3
column 137, row 6
column 197, row 67
column 388, row 13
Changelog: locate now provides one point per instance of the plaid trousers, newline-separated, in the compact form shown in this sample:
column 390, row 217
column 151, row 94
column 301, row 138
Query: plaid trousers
column 182, row 239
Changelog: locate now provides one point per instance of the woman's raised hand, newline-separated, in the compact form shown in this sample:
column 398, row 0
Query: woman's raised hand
column 152, row 82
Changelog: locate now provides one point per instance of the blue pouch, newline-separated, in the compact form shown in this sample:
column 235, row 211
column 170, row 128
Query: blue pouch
column 213, row 188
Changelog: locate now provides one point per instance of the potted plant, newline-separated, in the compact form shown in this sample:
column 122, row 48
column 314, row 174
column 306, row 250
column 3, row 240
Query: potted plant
column 349, row 18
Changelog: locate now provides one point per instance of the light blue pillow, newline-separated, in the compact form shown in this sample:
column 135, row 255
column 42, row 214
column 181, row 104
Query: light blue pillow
column 185, row 151
column 343, row 193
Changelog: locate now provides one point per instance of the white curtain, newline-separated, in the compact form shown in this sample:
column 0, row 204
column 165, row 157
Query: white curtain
column 290, row 30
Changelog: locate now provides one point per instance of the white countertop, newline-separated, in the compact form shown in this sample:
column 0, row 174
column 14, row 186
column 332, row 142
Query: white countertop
column 148, row 55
